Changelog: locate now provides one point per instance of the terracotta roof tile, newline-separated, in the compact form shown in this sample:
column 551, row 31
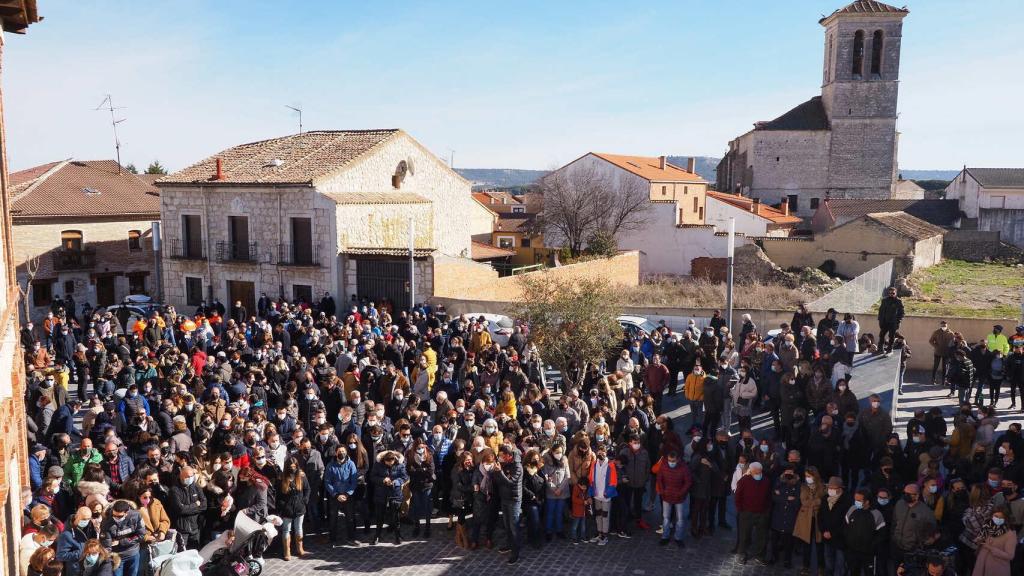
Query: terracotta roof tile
column 906, row 225
column 867, row 7
column 303, row 158
column 512, row 224
column 82, row 188
column 765, row 211
column 649, row 168
column 481, row 251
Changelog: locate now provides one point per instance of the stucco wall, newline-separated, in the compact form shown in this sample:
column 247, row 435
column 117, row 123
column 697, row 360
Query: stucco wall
column 965, row 189
column 747, row 222
column 1009, row 223
column 429, row 177
column 481, row 222
column 385, row 225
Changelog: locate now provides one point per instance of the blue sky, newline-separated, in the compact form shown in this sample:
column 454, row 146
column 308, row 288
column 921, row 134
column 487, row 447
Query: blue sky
column 503, row 84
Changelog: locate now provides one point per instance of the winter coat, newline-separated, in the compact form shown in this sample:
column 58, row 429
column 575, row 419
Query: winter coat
column 462, row 487
column 833, row 520
column 557, row 475
column 911, row 525
column 704, row 476
column 863, row 530
column 421, row 474
column 785, row 505
column 508, row 479
column 995, row 559
column 611, row 482
column 292, row 504
column 811, row 498
column 189, row 504
column 890, row 311
column 382, row 492
column 673, row 484
column 155, row 518
column 128, row 533
column 534, row 488
column 714, row 394
column 638, row 467
column 694, row 387
column 252, row 500
column 340, row 478
column 753, row 495
column 70, row 544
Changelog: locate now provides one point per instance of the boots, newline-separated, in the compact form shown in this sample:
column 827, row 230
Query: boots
column 426, row 530
column 398, row 533
column 286, row 543
column 299, row 550
column 415, row 528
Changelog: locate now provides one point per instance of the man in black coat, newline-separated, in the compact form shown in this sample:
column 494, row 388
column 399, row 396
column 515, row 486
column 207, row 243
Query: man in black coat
column 714, row 404
column 188, row 504
column 508, row 479
column 862, row 534
column 890, row 315
column 832, row 523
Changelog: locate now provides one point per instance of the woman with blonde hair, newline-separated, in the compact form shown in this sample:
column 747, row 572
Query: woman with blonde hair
column 40, row 558
column 807, row 529
column 507, row 404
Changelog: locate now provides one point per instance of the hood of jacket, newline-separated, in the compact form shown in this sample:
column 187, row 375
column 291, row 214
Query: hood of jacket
column 398, row 456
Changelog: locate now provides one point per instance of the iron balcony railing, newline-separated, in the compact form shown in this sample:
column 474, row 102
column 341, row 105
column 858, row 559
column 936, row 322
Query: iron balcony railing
column 297, row 255
column 67, row 259
column 180, row 250
column 237, row 252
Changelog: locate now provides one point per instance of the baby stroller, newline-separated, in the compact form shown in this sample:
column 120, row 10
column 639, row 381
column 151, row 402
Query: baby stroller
column 238, row 552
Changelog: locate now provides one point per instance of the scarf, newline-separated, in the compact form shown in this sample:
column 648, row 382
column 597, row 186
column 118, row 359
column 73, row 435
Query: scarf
column 990, row 530
column 485, row 480
column 848, row 432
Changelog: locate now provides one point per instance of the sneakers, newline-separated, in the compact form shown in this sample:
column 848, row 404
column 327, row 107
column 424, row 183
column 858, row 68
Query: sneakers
column 602, row 541
column 575, row 541
column 504, row 550
column 623, row 534
column 660, row 530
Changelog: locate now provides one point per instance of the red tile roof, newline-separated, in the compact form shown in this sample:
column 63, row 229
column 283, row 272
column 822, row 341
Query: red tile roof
column 765, row 211
column 481, row 251
column 82, row 188
column 296, row 159
column 649, row 168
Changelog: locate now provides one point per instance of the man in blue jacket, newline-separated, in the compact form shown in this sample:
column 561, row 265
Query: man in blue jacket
column 340, row 481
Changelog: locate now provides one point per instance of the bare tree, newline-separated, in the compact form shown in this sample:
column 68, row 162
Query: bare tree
column 582, row 202
column 31, row 269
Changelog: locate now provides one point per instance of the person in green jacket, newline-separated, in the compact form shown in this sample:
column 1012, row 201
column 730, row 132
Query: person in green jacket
column 996, row 341
column 75, row 466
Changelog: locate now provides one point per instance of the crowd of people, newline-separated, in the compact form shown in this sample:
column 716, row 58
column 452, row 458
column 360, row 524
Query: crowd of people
column 354, row 425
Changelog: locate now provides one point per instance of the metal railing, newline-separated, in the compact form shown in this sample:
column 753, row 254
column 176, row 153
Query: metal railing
column 298, row 255
column 237, row 252
column 66, row 259
column 180, row 250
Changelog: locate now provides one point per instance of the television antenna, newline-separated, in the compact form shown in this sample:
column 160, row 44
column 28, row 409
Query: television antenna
column 108, row 104
column 297, row 109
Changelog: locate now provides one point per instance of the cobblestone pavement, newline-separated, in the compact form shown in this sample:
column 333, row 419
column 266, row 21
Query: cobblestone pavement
column 639, row 555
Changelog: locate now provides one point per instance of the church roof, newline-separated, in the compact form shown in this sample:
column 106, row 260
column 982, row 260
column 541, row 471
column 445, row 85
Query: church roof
column 807, row 116
column 867, row 7
column 998, row 177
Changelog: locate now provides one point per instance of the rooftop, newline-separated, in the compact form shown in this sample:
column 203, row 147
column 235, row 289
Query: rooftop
column 998, row 177
column 481, row 251
column 867, row 7
column 937, row 212
column 75, row 188
column 906, row 225
column 807, row 116
column 295, row 159
column 649, row 168
column 765, row 211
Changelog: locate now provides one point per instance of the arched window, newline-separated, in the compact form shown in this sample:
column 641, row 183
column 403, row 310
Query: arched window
column 858, row 54
column 71, row 239
column 877, row 42
column 134, row 241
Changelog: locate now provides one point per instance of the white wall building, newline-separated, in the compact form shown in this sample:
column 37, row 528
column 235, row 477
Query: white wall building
column 991, row 199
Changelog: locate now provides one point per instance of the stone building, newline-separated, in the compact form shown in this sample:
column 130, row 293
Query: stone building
column 83, row 229
column 15, row 18
column 862, row 244
column 992, row 199
column 301, row 215
column 841, row 144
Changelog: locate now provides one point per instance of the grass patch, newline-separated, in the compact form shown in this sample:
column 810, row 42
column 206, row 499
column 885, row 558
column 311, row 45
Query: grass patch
column 967, row 289
column 689, row 292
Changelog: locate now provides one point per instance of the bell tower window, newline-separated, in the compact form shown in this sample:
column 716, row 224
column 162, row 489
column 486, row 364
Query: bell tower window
column 877, row 42
column 858, row 54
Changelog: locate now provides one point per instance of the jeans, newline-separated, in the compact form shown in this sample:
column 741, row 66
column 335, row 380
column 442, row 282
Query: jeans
column 313, row 511
column 886, row 335
column 712, row 422
column 510, row 512
column 697, row 411
column 578, row 528
column 420, row 508
column 669, row 510
column 129, row 566
column 534, row 528
column 554, row 510
column 834, row 563
column 287, row 525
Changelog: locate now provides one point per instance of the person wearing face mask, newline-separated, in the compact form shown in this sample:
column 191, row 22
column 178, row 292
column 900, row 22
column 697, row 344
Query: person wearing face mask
column 422, row 476
column 786, row 506
column 832, row 525
column 32, row 542
column 876, row 423
column 71, row 542
column 492, row 436
column 863, row 529
column 914, row 525
column 673, row 483
column 808, row 529
column 341, row 480
column 388, row 476
column 996, row 545
column 188, row 501
column 94, row 560
column 634, row 476
column 75, row 466
column 122, row 532
column 693, row 390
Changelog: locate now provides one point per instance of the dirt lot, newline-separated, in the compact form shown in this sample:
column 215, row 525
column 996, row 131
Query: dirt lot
column 701, row 293
column 967, row 289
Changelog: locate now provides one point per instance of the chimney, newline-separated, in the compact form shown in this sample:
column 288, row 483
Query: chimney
column 755, row 205
column 663, row 162
column 691, row 165
column 784, row 206
column 220, row 171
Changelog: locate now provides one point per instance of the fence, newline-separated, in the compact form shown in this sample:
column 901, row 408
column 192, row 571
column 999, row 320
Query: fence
column 859, row 294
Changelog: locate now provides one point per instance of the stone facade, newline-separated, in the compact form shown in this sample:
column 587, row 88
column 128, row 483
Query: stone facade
column 114, row 258
column 851, row 152
column 371, row 229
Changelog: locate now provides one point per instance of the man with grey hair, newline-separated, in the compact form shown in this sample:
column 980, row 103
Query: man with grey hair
column 753, row 502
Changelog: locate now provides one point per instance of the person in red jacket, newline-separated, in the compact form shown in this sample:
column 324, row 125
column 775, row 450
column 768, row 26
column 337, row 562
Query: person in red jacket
column 656, row 378
column 673, row 484
column 753, row 503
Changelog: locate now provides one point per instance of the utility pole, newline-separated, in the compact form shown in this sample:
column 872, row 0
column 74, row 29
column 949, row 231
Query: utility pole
column 730, row 253
column 299, row 110
column 108, row 104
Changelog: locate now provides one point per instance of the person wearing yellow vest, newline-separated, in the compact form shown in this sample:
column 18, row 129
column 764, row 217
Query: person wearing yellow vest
column 997, row 341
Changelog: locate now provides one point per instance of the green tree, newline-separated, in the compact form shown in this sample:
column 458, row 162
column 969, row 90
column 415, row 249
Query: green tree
column 131, row 168
column 571, row 321
column 155, row 168
column 602, row 243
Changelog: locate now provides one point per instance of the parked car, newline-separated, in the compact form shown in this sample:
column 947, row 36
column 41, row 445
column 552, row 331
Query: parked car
column 131, row 309
column 636, row 326
column 498, row 325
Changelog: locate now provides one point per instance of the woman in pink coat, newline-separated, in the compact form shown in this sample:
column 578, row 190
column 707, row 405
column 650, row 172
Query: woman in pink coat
column 996, row 546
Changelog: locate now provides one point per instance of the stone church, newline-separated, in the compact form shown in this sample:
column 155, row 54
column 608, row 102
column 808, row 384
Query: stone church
column 841, row 144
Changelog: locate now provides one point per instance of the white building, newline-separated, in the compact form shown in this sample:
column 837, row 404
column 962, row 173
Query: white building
column 301, row 215
column 991, row 199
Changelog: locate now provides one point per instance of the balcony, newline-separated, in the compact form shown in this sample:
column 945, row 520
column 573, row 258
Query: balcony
column 297, row 255
column 186, row 250
column 65, row 259
column 237, row 252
